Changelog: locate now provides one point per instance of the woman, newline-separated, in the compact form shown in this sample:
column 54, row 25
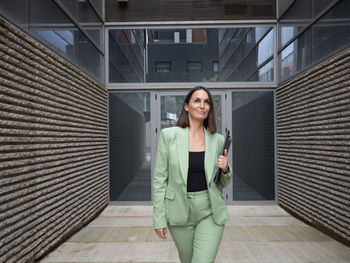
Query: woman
column 186, row 200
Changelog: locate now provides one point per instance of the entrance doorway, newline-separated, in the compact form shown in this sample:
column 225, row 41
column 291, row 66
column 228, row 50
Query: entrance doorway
column 136, row 119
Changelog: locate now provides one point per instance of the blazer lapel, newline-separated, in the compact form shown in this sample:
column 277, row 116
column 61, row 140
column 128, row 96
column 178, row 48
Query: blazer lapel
column 183, row 155
column 210, row 155
column 182, row 151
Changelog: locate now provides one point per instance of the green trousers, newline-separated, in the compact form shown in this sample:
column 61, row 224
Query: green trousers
column 198, row 240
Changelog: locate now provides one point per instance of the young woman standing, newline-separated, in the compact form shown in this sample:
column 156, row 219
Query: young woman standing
column 186, row 199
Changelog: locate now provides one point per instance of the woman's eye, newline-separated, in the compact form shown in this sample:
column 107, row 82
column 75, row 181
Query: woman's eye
column 207, row 102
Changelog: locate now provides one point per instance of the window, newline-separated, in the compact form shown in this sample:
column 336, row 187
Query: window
column 163, row 67
column 201, row 54
column 194, row 66
column 216, row 66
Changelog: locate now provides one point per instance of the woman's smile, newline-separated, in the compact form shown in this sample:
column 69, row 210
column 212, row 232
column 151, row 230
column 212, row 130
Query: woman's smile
column 199, row 105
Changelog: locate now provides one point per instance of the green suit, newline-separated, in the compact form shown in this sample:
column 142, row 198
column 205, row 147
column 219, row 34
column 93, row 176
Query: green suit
column 170, row 203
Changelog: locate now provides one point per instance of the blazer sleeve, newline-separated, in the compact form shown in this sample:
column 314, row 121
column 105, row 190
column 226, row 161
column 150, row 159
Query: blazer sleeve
column 160, row 182
column 224, row 178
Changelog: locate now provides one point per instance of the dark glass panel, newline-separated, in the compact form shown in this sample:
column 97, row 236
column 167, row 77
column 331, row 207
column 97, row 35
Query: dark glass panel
column 15, row 11
column 130, row 147
column 90, row 22
column 54, row 29
column 331, row 32
column 295, row 19
column 126, row 56
column 84, row 14
column 90, row 58
column 297, row 56
column 253, row 157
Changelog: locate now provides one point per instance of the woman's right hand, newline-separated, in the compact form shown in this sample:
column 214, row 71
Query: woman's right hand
column 162, row 232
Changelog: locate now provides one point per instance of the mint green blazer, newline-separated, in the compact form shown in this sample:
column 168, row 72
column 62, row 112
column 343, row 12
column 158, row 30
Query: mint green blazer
column 170, row 205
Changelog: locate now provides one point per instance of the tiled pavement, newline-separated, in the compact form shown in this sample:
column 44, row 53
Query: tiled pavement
column 259, row 234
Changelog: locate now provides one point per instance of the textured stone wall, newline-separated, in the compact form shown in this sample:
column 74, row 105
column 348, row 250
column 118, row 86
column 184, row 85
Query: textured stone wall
column 313, row 124
column 53, row 145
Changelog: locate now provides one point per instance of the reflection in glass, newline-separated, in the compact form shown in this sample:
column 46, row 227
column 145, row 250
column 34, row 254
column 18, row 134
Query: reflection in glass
column 287, row 62
column 62, row 40
column 190, row 52
column 287, row 33
column 319, row 5
column 246, row 63
column 297, row 56
column 331, row 32
column 163, row 67
column 191, row 55
column 265, row 73
column 98, row 4
column 265, row 48
column 253, row 145
column 171, row 36
column 90, row 58
column 90, row 21
column 298, row 16
column 84, row 13
column 243, row 51
column 215, row 66
column 16, row 12
column 126, row 56
column 171, row 107
column 327, row 35
column 54, row 29
column 194, row 66
column 130, row 146
column 229, row 41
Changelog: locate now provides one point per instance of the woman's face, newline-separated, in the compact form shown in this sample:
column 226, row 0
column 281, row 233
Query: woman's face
column 198, row 107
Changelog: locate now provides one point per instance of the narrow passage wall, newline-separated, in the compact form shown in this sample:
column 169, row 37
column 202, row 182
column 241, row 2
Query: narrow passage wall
column 313, row 125
column 53, row 144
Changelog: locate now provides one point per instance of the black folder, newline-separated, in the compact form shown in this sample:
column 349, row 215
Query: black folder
column 226, row 146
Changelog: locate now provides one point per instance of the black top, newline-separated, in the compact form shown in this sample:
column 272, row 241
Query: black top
column 196, row 175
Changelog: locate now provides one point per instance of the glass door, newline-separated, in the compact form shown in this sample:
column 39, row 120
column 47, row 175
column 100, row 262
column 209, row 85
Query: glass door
column 169, row 106
column 135, row 121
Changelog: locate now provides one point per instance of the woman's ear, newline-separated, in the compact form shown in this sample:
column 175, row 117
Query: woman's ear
column 186, row 107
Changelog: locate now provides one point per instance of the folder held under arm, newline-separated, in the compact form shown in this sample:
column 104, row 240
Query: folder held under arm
column 226, row 146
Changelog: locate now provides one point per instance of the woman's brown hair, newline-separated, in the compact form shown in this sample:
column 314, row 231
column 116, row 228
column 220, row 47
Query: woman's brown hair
column 209, row 123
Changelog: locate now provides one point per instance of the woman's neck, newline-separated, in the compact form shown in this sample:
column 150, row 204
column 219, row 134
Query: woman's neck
column 196, row 127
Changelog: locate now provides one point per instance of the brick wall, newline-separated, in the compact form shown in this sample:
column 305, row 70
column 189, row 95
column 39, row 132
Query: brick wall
column 53, row 145
column 313, row 125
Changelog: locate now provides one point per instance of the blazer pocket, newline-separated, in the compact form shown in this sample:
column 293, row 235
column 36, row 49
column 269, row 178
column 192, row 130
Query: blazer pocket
column 170, row 195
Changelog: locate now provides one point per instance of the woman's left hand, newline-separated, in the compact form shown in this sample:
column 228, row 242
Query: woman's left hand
column 222, row 162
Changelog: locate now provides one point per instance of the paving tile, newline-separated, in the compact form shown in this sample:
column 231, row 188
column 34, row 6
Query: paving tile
column 121, row 222
column 116, row 234
column 114, row 252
